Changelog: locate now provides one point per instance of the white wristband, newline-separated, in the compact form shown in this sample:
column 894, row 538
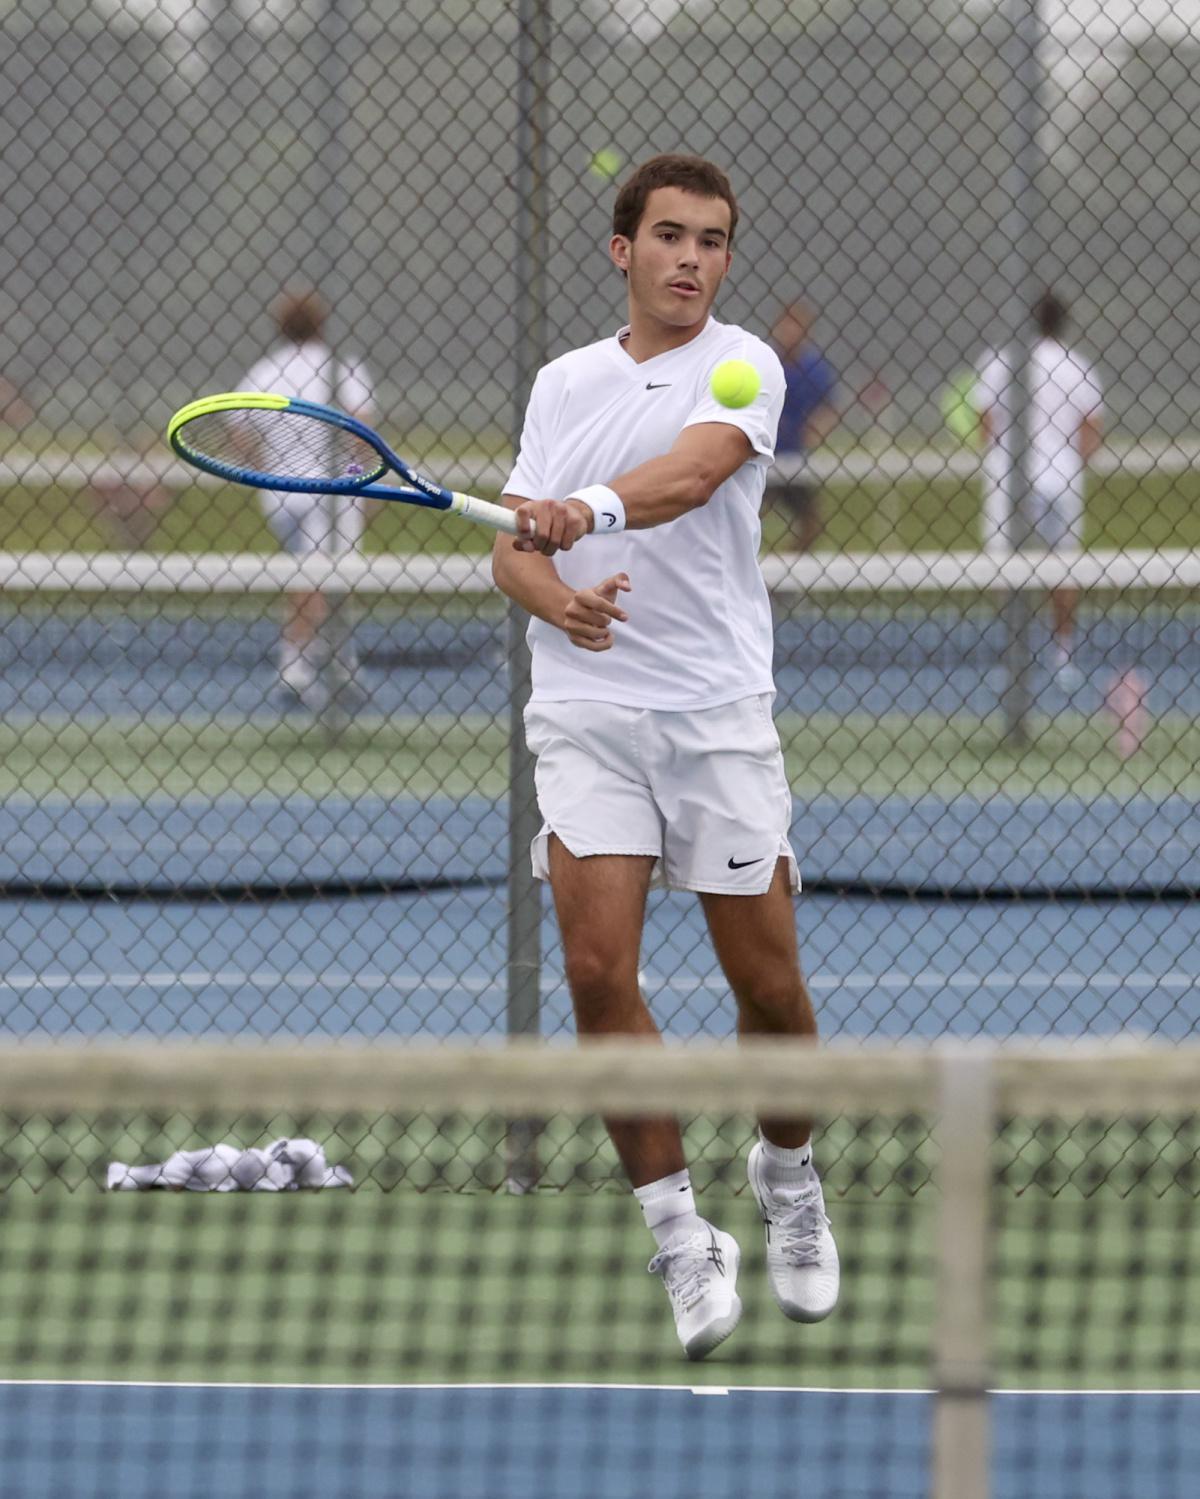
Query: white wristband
column 608, row 514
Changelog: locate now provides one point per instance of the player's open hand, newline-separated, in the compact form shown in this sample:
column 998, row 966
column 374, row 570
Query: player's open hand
column 591, row 613
column 550, row 526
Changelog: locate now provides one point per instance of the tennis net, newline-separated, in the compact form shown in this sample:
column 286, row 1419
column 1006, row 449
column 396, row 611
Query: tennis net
column 1018, row 1227
column 146, row 748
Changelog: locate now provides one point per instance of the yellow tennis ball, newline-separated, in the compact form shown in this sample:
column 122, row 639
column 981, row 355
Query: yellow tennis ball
column 735, row 382
column 605, row 164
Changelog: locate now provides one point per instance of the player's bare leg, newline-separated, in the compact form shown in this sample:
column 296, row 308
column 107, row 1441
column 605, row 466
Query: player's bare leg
column 601, row 906
column 304, row 616
column 1064, row 602
column 306, row 613
column 755, row 940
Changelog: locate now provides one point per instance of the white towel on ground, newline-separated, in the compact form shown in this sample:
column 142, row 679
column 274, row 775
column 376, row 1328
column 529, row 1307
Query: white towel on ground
column 283, row 1166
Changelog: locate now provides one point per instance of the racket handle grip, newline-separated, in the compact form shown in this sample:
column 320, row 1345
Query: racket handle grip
column 499, row 517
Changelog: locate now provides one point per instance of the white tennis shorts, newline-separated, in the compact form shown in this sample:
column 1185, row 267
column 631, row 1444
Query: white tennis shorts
column 1057, row 518
column 703, row 792
column 305, row 523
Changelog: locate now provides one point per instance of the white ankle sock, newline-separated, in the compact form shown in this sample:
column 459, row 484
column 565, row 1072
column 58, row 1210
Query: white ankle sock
column 669, row 1207
column 785, row 1170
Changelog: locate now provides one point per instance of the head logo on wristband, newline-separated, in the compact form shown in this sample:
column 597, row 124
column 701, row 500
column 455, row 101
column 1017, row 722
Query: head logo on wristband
column 608, row 513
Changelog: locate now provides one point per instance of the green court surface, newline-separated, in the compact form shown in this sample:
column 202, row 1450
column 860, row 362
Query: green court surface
column 430, row 1271
column 827, row 753
column 408, row 1288
column 412, row 756
column 400, row 1287
column 1067, row 754
column 1154, row 510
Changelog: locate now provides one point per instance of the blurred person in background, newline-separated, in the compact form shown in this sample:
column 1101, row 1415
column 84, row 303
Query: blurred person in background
column 808, row 418
column 993, row 464
column 15, row 411
column 1066, row 406
column 130, row 500
column 304, row 367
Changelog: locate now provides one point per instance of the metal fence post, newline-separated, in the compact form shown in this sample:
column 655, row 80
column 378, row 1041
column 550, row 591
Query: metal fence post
column 1019, row 275
column 530, row 349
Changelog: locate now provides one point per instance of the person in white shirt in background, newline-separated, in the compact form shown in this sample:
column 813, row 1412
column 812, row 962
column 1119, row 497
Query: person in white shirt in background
column 1066, row 410
column 650, row 715
column 993, row 473
column 304, row 367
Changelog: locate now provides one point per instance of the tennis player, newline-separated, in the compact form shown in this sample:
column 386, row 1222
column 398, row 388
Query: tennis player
column 1067, row 404
column 657, row 760
column 302, row 365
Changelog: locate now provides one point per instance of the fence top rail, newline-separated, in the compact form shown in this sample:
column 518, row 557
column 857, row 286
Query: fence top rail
column 849, row 574
column 867, row 463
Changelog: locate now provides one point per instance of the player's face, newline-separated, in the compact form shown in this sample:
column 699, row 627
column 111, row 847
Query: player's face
column 678, row 258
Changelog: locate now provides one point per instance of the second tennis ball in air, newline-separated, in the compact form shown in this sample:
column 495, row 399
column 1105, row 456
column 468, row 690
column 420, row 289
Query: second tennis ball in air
column 735, row 382
column 605, row 164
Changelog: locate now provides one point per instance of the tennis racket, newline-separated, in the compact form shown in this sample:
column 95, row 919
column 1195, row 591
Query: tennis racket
column 302, row 447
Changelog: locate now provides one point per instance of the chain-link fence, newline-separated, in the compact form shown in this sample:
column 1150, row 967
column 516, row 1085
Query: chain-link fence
column 310, row 800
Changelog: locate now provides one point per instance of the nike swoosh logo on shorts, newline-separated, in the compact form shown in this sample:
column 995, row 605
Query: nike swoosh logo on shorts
column 733, row 863
column 663, row 385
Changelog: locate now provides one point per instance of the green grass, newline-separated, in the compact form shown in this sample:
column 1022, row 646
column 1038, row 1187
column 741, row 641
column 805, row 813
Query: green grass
column 208, row 520
column 401, row 1287
column 1155, row 510
column 826, row 754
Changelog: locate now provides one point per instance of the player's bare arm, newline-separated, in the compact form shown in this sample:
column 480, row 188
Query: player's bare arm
column 657, row 491
column 819, row 425
column 1090, row 438
column 592, row 612
column 585, row 615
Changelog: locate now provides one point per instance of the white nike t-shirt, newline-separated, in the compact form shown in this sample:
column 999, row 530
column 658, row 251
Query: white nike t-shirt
column 1064, row 391
column 699, row 630
column 309, row 372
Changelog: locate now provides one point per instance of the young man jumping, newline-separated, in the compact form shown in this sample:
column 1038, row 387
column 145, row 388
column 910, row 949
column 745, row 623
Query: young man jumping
column 650, row 716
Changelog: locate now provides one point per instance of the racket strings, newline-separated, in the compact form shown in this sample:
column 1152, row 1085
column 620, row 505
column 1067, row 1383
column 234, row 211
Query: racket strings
column 282, row 445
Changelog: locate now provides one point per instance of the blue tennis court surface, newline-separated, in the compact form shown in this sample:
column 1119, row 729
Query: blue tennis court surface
column 909, row 791
column 377, row 966
column 562, row 1442
column 143, row 753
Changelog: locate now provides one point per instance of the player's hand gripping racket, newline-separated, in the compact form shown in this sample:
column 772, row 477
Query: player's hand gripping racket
column 300, row 447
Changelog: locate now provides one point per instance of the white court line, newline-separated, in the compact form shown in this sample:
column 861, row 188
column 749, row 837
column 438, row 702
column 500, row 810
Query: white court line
column 384, row 1389
column 438, row 983
column 479, row 984
column 170, row 1384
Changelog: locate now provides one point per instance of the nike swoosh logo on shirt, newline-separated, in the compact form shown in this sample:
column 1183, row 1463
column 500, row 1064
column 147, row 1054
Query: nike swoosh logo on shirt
column 664, row 385
column 745, row 863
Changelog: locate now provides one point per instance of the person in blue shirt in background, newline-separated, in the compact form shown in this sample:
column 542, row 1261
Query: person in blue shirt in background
column 808, row 417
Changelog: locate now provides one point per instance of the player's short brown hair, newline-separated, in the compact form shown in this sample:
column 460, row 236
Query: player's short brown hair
column 692, row 173
column 1050, row 315
column 301, row 316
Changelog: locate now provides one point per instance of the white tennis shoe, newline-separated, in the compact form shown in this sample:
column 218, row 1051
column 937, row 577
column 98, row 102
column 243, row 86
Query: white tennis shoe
column 802, row 1259
column 700, row 1274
